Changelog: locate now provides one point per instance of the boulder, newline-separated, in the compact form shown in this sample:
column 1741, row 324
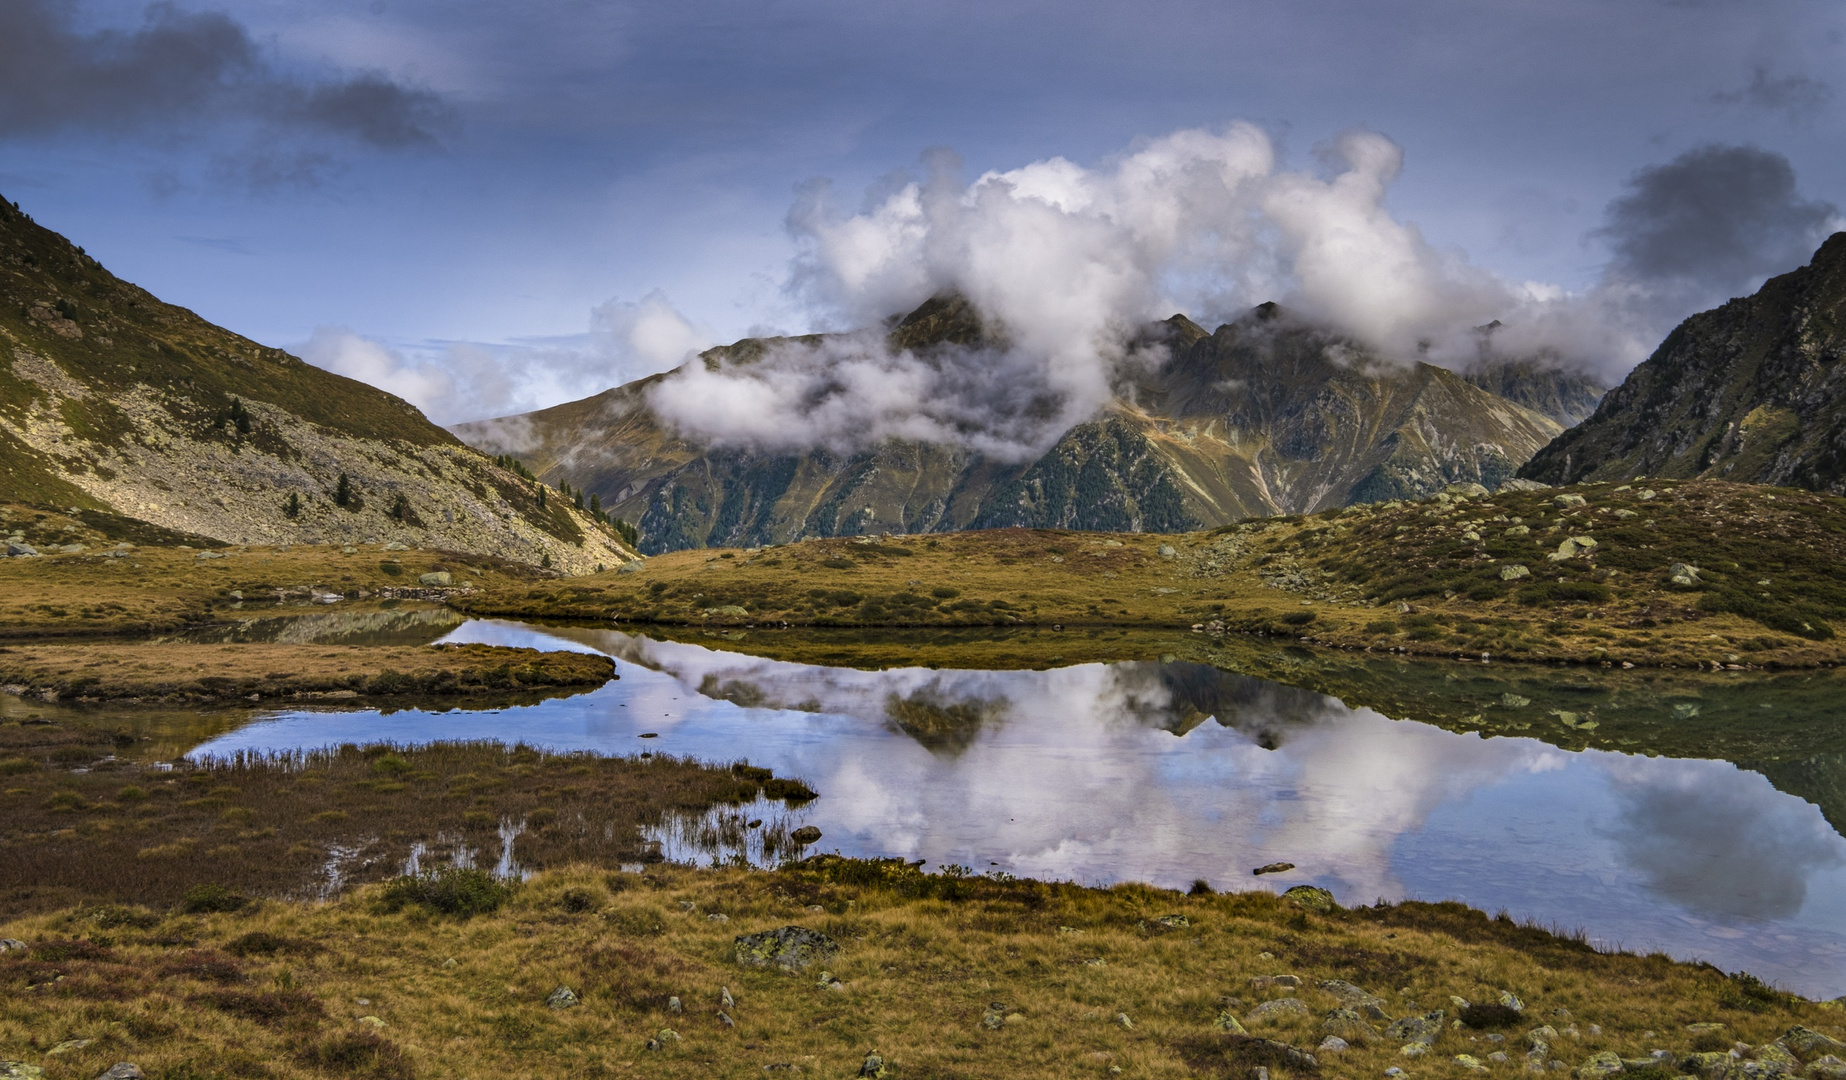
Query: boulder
column 1273, row 868
column 1228, row 1024
column 1607, row 1063
column 1519, row 530
column 1567, row 500
column 629, row 567
column 1470, row 1063
column 1807, row 1042
column 19, row 1070
column 1467, row 490
column 1826, row 1068
column 1167, row 551
column 1368, row 1005
column 1278, row 1009
column 805, row 835
column 122, row 1070
column 1174, row 922
column 9, row 944
column 436, row 579
column 874, row 1066
column 1313, row 898
column 562, row 998
column 1275, row 982
column 1348, row 1025
column 1711, row 1065
column 1421, row 1030
column 790, row 948
column 1333, row 1044
column 1683, row 574
column 1514, row 572
column 14, row 547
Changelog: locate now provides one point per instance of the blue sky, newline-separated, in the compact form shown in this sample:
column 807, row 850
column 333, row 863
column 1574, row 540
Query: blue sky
column 406, row 175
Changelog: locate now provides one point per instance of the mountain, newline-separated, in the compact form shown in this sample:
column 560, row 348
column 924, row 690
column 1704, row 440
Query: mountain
column 113, row 400
column 1753, row 391
column 1266, row 415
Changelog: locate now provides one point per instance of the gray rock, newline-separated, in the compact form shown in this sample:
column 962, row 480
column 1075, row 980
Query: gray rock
column 1421, row 1030
column 675, row 1006
column 1607, row 1063
column 1271, row 982
column 1470, row 1063
column 1683, row 574
column 1333, row 1044
column 1519, row 483
column 1367, row 1005
column 874, row 1066
column 790, row 948
column 1167, row 551
column 9, row 944
column 1348, row 1025
column 805, row 835
column 1807, row 1042
column 1514, row 572
column 1123, row 1020
column 19, row 1070
column 1280, row 1008
column 1313, row 898
column 14, row 547
column 629, row 567
column 436, row 579
column 1567, row 500
column 209, row 555
column 562, row 998
column 122, row 1070
column 995, row 1017
column 1511, row 1001
column 1711, row 1065
column 1174, row 922
column 1471, row 491
column 1826, row 1068
column 1229, row 1024
column 396, row 546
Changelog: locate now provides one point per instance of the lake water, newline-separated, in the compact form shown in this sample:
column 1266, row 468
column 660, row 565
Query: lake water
column 1171, row 772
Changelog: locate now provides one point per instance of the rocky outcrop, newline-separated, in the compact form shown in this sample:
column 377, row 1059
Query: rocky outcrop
column 1753, row 391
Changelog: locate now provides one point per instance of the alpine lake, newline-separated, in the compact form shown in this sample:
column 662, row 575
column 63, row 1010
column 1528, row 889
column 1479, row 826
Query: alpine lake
column 1693, row 813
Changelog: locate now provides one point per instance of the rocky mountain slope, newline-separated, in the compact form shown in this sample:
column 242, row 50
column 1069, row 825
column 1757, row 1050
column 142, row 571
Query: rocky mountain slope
column 113, row 400
column 1266, row 415
column 1753, row 391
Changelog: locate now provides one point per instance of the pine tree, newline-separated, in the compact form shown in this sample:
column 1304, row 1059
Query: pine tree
column 343, row 491
column 292, row 508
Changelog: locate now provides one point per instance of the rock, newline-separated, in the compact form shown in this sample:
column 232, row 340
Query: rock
column 805, row 835
column 675, row 1006
column 1772, row 1059
column 1470, row 1063
column 1511, row 1001
column 1467, row 490
column 1421, row 1030
column 1520, row 483
column 629, row 567
column 1541, row 1036
column 1683, row 574
column 1519, row 530
column 562, row 998
column 1711, row 1065
column 1806, row 1042
column 1277, row 1010
column 725, row 1000
column 1174, row 922
column 9, row 944
column 725, row 1019
column 1568, row 549
column 791, row 948
column 1270, row 982
column 1370, row 1006
column 1706, row 1028
column 1333, row 1044
column 1348, row 1025
column 1567, row 500
column 69, row 1045
column 1167, row 552
column 1826, row 1068
column 122, row 1070
column 14, row 547
column 1313, row 898
column 718, row 916
column 667, row 1035
column 1123, row 1020
column 995, row 1017
column 1514, row 572
column 1228, row 1024
column 396, row 546
column 19, row 1070
column 436, row 579
column 1273, row 868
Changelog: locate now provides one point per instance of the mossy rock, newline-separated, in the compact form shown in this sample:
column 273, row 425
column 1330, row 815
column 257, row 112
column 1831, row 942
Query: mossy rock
column 1313, row 898
column 790, row 948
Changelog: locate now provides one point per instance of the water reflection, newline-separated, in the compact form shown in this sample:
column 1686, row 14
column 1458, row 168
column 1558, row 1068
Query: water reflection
column 1168, row 772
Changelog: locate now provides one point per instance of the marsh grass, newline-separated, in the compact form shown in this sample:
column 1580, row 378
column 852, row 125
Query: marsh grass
column 206, row 836
column 923, row 959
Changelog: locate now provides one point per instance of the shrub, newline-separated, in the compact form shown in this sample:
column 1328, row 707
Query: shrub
column 212, row 899
column 15, row 766
column 360, row 1054
column 1490, row 1015
column 1546, row 593
column 791, row 791
column 450, row 890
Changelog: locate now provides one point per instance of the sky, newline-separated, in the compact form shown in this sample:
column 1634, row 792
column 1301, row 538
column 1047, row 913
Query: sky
column 488, row 208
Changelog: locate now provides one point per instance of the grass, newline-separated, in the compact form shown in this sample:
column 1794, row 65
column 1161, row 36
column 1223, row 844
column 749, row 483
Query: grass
column 170, row 672
column 942, row 975
column 1431, row 578
column 81, row 825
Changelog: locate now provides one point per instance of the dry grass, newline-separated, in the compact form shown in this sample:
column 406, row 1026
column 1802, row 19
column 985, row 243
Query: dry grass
column 79, row 825
column 282, row 989
column 157, row 585
column 1414, row 578
column 170, row 672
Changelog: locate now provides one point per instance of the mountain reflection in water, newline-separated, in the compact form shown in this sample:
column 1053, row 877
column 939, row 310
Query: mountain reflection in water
column 1167, row 772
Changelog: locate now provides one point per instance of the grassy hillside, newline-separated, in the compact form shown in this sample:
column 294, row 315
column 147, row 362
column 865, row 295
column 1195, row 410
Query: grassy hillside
column 1674, row 574
column 113, row 400
column 933, row 975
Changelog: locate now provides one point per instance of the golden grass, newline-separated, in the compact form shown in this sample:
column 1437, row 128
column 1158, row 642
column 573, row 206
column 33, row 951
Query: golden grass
column 168, row 672
column 290, row 990
column 1415, row 578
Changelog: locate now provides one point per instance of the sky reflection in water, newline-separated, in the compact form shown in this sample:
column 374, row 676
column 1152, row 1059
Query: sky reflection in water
column 1171, row 772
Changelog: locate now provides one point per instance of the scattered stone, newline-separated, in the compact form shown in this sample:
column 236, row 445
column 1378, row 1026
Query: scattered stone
column 725, row 1000
column 675, row 1006
column 1333, row 1044
column 1273, row 868
column 1167, row 552
column 9, row 944
column 1123, row 1020
column 19, row 1070
column 1607, row 1063
column 1270, row 982
column 1368, row 1005
column 14, row 547
column 805, row 835
column 1313, row 898
column 209, row 555
column 791, row 948
column 68, row 1045
column 1228, row 1024
column 1467, row 490
column 1277, row 1009
column 1705, row 1028
column 396, row 546
column 562, row 998
column 718, row 917
column 725, row 1019
column 1348, row 1025
column 438, row 579
column 1514, row 572
column 373, row 1022
column 1519, row 530
column 1421, row 1030
column 995, row 1017
column 1470, row 1063
column 1775, row 1060
column 1174, row 922
column 1511, row 1001
column 1826, row 1068
column 1683, row 574
column 1567, row 500
column 122, row 1070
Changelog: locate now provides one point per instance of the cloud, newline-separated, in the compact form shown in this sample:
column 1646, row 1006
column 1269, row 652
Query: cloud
column 460, row 381
column 182, row 69
column 1799, row 97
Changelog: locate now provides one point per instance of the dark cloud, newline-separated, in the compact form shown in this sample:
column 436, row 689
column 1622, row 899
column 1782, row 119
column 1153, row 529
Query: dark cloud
column 1799, row 97
column 178, row 70
column 1715, row 218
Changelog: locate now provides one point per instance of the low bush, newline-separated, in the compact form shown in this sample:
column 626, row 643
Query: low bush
column 461, row 891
